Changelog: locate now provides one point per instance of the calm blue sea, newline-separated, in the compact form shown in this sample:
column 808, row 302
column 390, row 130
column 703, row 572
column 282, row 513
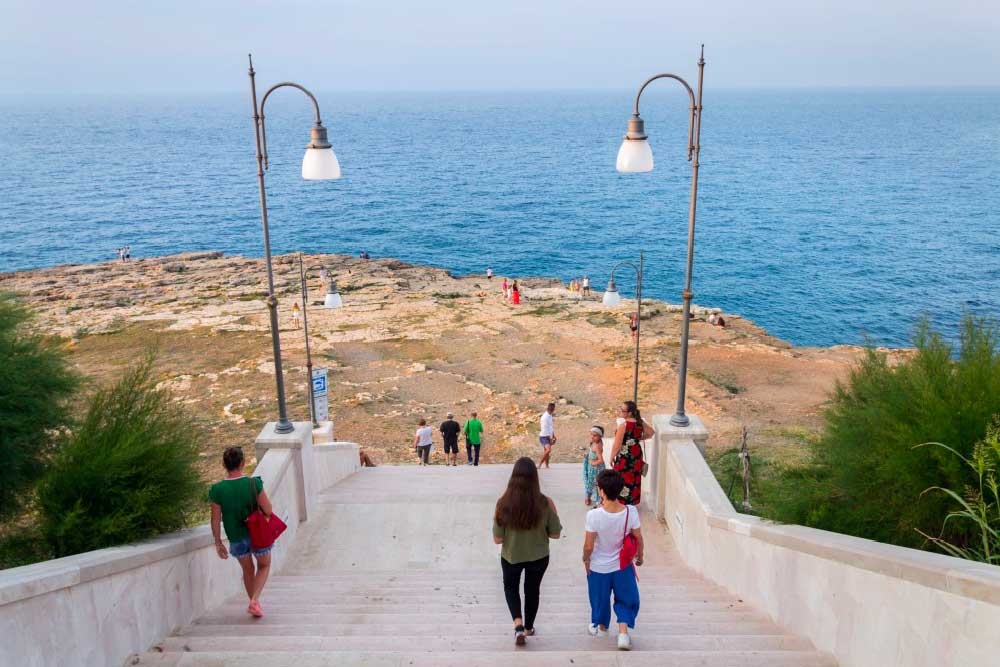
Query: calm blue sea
column 824, row 215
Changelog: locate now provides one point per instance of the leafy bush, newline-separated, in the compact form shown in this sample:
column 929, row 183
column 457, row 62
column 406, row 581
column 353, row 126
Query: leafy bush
column 979, row 506
column 35, row 382
column 866, row 477
column 126, row 474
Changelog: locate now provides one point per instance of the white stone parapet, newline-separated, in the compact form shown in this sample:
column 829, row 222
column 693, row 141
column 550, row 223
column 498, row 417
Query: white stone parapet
column 97, row 608
column 866, row 603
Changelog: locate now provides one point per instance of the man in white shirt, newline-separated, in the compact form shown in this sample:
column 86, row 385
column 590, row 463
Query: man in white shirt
column 547, row 434
column 423, row 441
column 586, row 286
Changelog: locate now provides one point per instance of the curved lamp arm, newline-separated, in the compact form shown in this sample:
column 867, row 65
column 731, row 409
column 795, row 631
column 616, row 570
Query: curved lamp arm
column 637, row 121
column 319, row 136
column 624, row 262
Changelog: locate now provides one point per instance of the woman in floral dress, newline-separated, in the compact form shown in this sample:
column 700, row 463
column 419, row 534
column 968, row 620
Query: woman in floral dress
column 626, row 454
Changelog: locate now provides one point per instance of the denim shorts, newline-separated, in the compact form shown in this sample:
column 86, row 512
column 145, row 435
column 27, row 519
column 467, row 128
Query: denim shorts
column 241, row 548
column 544, row 441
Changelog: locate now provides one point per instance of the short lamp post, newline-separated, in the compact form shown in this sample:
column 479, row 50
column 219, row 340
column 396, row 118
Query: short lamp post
column 332, row 300
column 613, row 298
column 319, row 164
column 635, row 156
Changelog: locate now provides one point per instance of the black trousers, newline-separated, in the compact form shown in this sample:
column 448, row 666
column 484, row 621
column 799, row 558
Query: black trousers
column 468, row 450
column 424, row 453
column 533, row 570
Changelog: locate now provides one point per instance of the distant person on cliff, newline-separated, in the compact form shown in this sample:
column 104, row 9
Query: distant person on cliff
column 523, row 523
column 515, row 294
column 503, row 288
column 546, row 434
column 232, row 502
column 586, row 286
column 633, row 325
column 626, row 454
column 593, row 464
column 128, row 254
column 449, row 433
column 604, row 541
column 489, row 273
column 473, row 438
column 296, row 315
column 423, row 442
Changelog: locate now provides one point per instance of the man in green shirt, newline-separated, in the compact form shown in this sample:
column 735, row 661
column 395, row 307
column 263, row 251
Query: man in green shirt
column 473, row 438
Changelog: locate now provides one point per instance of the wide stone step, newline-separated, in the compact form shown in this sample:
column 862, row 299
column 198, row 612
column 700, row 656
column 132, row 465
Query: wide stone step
column 397, row 618
column 486, row 609
column 421, row 628
column 526, row 657
column 498, row 642
column 555, row 597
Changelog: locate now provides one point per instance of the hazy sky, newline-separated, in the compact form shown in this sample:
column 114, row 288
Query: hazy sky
column 178, row 45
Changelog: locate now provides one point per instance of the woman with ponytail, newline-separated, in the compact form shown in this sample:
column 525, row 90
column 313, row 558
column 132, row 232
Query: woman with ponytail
column 627, row 455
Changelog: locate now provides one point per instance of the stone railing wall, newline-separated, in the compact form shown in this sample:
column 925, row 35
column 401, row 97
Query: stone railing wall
column 97, row 608
column 868, row 604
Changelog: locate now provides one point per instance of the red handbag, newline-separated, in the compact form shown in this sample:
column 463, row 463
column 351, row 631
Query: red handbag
column 263, row 530
column 630, row 546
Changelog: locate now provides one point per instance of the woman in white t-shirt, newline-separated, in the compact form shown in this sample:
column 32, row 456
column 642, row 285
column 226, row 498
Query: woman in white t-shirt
column 606, row 528
column 423, row 441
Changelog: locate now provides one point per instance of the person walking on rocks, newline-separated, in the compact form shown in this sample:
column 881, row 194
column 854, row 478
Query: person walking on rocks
column 296, row 315
column 593, row 464
column 503, row 287
column 546, row 434
column 423, row 441
column 610, row 560
column 586, row 286
column 449, row 433
column 515, row 294
column 473, row 438
column 489, row 273
column 233, row 499
column 626, row 453
column 523, row 523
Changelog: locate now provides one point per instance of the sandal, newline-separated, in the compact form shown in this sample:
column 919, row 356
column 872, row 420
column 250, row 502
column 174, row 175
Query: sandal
column 254, row 609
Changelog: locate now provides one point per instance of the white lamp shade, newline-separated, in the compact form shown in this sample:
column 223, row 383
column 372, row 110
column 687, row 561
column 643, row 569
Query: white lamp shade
column 320, row 164
column 611, row 298
column 333, row 300
column 635, row 156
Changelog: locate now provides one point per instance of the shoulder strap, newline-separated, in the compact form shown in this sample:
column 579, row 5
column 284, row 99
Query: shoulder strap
column 625, row 531
column 253, row 494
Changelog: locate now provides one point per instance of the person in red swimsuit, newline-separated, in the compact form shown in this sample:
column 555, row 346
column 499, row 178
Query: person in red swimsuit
column 515, row 293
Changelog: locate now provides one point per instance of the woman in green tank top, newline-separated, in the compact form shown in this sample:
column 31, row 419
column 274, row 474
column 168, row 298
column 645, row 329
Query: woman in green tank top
column 232, row 502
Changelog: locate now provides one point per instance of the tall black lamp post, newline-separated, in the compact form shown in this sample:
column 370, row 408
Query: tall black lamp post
column 319, row 164
column 332, row 300
column 613, row 298
column 634, row 156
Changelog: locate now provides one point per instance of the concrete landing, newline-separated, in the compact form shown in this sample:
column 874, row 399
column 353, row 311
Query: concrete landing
column 398, row 567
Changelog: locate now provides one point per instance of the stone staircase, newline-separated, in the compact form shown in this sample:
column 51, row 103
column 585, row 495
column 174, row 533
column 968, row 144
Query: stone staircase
column 398, row 569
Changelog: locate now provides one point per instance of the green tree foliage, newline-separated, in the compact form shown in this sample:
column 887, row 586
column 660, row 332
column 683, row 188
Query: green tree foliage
column 126, row 473
column 35, row 382
column 867, row 476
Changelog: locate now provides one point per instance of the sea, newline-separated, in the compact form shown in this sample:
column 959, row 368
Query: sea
column 826, row 216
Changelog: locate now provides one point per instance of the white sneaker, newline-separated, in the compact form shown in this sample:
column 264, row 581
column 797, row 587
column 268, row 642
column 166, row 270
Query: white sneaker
column 595, row 631
column 624, row 642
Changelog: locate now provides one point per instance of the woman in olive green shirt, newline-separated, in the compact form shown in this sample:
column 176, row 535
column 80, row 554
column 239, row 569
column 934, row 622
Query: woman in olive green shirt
column 232, row 502
column 523, row 523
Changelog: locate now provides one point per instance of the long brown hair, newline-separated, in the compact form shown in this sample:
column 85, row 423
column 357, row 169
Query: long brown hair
column 522, row 505
column 632, row 410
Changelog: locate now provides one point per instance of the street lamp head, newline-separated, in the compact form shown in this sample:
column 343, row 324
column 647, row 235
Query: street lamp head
column 635, row 155
column 611, row 296
column 320, row 163
column 332, row 299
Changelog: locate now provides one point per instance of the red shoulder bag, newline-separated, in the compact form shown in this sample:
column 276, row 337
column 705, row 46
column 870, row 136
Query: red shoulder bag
column 263, row 531
column 630, row 545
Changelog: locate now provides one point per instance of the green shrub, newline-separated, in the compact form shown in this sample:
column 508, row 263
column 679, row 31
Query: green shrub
column 978, row 507
column 35, row 382
column 866, row 477
column 126, row 473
